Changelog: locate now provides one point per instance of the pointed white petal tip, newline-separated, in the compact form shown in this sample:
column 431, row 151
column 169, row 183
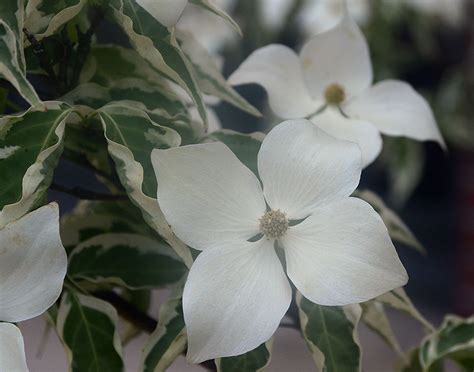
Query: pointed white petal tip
column 33, row 264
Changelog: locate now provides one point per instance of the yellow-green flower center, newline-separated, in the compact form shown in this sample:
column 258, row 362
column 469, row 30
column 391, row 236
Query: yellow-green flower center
column 274, row 224
column 334, row 94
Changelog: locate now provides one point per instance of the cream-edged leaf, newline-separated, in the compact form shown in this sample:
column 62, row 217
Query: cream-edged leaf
column 399, row 300
column 375, row 317
column 213, row 8
column 125, row 259
column 168, row 340
column 131, row 136
column 453, row 340
column 253, row 361
column 158, row 45
column 12, row 64
column 26, row 174
column 167, row 12
column 43, row 18
column 209, row 77
column 87, row 327
column 331, row 335
column 33, row 264
column 397, row 229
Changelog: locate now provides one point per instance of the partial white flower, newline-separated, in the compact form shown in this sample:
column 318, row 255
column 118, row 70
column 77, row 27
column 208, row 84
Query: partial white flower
column 12, row 349
column 321, row 15
column 167, row 12
column 333, row 76
column 33, row 264
column 237, row 291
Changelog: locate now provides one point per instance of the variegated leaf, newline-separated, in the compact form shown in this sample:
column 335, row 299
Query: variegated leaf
column 169, row 338
column 331, row 335
column 209, row 76
column 158, row 45
column 131, row 136
column 12, row 59
column 45, row 17
column 30, row 144
column 87, row 327
column 397, row 229
column 253, row 361
column 130, row 260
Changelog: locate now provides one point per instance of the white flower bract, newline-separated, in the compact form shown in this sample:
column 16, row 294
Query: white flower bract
column 330, row 83
column 33, row 265
column 237, row 291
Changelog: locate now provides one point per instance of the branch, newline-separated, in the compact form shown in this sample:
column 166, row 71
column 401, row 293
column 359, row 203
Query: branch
column 81, row 193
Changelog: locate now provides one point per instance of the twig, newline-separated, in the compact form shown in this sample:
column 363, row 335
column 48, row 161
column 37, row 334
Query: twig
column 81, row 193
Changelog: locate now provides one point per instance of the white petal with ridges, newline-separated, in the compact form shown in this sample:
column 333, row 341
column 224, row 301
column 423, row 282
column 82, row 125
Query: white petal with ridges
column 278, row 69
column 234, row 298
column 339, row 55
column 207, row 195
column 396, row 109
column 12, row 349
column 342, row 254
column 167, row 12
column 364, row 134
column 32, row 266
column 302, row 167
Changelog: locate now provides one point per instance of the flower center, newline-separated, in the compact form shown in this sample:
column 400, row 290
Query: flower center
column 274, row 224
column 334, row 94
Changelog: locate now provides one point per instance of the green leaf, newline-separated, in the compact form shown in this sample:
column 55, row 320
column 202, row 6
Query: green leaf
column 209, row 77
column 253, row 361
column 453, row 340
column 44, row 18
column 130, row 260
column 131, row 136
column 158, row 45
column 396, row 227
column 87, row 327
column 244, row 146
column 211, row 7
column 12, row 58
column 30, row 146
column 168, row 340
column 399, row 300
column 331, row 335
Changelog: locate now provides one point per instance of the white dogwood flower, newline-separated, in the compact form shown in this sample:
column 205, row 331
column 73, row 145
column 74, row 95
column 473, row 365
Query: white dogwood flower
column 33, row 265
column 330, row 83
column 337, row 248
